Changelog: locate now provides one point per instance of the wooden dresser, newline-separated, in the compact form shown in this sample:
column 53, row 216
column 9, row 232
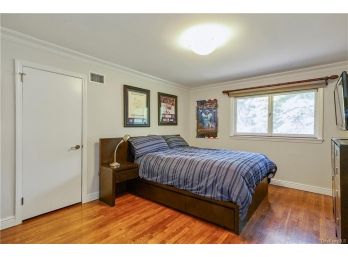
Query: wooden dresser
column 339, row 160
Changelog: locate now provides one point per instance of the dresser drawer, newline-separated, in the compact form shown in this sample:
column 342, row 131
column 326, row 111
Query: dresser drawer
column 124, row 175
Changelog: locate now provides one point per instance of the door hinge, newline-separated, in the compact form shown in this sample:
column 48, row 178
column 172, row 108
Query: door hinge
column 22, row 74
column 22, row 200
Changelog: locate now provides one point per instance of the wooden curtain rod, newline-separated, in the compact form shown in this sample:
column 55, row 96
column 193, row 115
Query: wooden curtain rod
column 285, row 83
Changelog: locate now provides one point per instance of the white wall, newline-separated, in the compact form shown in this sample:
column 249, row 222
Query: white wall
column 104, row 107
column 303, row 165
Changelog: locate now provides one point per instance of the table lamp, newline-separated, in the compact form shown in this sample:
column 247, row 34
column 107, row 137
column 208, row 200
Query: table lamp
column 115, row 164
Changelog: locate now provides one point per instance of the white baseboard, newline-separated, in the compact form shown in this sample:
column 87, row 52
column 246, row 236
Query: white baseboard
column 304, row 187
column 8, row 222
column 91, row 197
column 11, row 221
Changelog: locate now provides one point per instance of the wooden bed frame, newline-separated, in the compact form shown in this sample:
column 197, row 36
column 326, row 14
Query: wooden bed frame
column 222, row 213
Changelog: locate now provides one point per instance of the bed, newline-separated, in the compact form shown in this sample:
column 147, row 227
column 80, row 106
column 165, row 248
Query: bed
column 221, row 186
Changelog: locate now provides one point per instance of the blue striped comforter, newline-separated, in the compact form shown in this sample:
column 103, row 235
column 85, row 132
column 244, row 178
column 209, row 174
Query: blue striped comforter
column 219, row 174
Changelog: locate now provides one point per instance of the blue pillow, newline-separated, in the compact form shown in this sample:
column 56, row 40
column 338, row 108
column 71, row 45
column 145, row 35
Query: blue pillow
column 175, row 141
column 147, row 144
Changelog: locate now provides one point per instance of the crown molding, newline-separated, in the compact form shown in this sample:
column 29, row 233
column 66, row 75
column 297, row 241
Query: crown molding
column 35, row 42
column 277, row 77
column 25, row 39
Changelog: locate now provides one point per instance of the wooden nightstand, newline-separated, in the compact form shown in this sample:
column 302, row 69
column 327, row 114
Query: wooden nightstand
column 109, row 177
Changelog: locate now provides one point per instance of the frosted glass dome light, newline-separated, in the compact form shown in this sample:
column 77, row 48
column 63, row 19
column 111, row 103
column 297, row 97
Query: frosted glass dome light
column 204, row 39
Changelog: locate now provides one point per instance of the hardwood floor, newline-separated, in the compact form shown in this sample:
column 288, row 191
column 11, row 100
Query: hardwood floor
column 290, row 216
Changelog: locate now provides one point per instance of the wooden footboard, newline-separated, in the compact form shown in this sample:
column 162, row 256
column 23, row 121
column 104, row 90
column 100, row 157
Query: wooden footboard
column 225, row 214
column 260, row 195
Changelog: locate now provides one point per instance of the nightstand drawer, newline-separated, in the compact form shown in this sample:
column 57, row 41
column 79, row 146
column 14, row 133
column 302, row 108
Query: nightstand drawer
column 124, row 175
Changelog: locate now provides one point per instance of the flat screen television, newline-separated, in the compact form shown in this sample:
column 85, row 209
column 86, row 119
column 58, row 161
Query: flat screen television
column 341, row 101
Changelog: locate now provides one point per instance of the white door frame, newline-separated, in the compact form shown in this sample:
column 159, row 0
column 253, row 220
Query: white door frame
column 19, row 64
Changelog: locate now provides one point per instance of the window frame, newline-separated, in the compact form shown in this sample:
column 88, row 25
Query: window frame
column 318, row 117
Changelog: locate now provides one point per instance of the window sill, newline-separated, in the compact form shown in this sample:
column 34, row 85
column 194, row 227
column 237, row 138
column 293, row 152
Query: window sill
column 311, row 140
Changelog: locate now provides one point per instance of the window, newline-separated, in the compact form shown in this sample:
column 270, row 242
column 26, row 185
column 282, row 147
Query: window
column 288, row 114
column 252, row 115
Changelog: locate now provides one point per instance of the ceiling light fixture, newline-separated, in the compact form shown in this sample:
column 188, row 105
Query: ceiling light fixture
column 204, row 39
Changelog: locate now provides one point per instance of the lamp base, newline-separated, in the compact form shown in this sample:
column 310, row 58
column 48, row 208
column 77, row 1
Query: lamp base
column 114, row 165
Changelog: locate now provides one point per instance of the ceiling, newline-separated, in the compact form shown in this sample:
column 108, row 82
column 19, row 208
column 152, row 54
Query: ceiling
column 260, row 43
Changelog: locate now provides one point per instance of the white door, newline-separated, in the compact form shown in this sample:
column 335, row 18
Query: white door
column 52, row 127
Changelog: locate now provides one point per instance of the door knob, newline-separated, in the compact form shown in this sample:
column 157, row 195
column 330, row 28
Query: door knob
column 76, row 147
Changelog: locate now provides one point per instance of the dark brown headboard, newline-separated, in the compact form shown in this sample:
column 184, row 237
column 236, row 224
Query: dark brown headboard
column 106, row 151
column 107, row 147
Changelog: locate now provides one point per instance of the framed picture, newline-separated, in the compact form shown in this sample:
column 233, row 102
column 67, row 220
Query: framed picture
column 207, row 121
column 167, row 109
column 136, row 107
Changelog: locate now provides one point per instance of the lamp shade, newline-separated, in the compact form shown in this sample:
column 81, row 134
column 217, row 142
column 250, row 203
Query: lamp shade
column 126, row 137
